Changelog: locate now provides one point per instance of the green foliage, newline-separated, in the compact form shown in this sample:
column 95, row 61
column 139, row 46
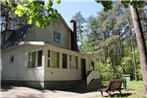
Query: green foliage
column 36, row 12
column 109, row 41
column 109, row 37
column 127, row 64
column 107, row 72
column 127, row 61
column 9, row 20
column 108, row 4
column 80, row 21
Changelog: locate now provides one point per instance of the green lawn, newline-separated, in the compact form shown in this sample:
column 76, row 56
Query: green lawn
column 135, row 85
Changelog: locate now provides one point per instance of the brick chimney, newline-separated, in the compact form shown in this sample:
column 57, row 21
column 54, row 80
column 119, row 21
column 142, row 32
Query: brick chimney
column 73, row 27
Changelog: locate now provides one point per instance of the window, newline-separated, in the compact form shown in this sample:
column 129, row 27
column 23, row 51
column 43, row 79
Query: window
column 76, row 62
column 35, row 59
column 32, row 60
column 73, row 62
column 54, row 59
column 57, row 38
column 64, row 60
column 70, row 61
column 11, row 59
column 39, row 58
column 48, row 64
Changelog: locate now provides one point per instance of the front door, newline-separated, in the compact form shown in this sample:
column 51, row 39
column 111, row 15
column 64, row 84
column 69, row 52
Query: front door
column 83, row 69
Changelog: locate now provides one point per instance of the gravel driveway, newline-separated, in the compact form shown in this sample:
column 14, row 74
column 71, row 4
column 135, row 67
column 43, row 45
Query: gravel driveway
column 26, row 92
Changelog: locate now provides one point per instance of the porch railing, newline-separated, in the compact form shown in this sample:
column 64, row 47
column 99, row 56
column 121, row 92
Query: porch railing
column 94, row 74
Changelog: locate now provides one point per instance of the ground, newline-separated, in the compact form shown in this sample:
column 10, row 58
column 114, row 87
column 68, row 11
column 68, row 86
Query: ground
column 26, row 92
column 9, row 91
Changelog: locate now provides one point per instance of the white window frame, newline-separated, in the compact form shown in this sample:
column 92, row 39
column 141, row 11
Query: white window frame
column 55, row 40
column 50, row 59
column 36, row 62
column 72, row 62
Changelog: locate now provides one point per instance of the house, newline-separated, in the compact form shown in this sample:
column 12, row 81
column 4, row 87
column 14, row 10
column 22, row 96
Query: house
column 46, row 58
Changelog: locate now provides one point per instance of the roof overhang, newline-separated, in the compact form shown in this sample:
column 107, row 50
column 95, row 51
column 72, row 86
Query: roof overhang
column 23, row 43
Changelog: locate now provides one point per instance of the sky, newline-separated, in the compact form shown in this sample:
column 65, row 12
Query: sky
column 68, row 8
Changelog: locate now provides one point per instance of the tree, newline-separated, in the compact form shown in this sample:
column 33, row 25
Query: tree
column 9, row 19
column 139, row 33
column 36, row 12
column 141, row 44
column 80, row 20
column 105, row 39
column 128, row 29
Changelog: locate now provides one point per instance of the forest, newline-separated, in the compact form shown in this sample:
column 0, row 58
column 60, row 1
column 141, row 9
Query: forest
column 111, row 38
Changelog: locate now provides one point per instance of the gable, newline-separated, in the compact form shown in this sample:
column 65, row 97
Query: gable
column 57, row 33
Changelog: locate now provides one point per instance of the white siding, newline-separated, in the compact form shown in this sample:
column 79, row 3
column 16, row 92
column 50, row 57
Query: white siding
column 47, row 34
column 60, row 74
column 18, row 70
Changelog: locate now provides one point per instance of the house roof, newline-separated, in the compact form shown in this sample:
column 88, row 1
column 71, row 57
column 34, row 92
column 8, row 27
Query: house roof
column 6, row 31
column 17, row 36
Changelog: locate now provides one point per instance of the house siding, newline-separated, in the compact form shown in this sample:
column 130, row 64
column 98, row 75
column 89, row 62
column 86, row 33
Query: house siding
column 41, row 77
column 47, row 34
column 60, row 74
column 18, row 70
column 52, row 74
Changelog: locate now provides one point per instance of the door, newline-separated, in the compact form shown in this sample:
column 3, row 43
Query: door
column 83, row 69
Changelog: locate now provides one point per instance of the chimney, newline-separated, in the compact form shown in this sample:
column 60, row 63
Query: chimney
column 74, row 45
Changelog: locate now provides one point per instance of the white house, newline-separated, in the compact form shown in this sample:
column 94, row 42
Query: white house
column 46, row 58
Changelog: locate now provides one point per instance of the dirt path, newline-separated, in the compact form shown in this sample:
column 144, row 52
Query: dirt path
column 26, row 92
column 9, row 91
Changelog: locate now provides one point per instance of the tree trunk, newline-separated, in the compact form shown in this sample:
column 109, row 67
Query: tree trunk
column 134, row 57
column 133, row 52
column 141, row 44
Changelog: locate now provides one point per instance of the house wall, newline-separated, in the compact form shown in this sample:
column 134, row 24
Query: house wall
column 47, row 34
column 18, row 70
column 61, row 74
column 42, row 77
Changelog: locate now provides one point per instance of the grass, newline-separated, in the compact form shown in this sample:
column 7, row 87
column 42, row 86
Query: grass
column 130, row 96
column 132, row 85
column 135, row 85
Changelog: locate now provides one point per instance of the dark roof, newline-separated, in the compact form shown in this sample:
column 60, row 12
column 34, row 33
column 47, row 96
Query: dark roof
column 17, row 36
column 6, row 31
